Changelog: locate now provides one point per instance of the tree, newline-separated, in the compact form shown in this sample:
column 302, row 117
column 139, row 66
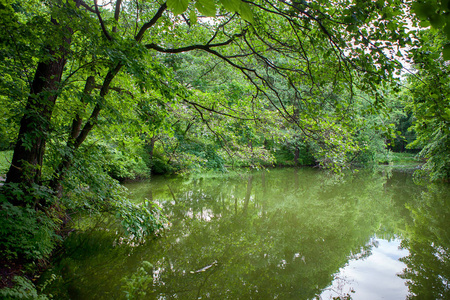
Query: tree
column 427, row 100
column 304, row 26
column 77, row 69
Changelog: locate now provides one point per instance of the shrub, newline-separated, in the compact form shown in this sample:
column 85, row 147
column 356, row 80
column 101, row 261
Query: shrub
column 23, row 289
column 26, row 233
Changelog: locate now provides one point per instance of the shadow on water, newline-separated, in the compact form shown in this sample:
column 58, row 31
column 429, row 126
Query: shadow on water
column 283, row 234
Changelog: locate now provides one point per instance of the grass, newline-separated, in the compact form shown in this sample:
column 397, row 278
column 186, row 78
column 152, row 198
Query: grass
column 400, row 160
column 403, row 158
column 5, row 159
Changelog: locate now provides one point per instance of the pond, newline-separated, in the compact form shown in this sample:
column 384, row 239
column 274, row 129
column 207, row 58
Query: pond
column 276, row 234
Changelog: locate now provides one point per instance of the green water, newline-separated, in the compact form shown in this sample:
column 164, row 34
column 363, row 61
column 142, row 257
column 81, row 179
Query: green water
column 278, row 234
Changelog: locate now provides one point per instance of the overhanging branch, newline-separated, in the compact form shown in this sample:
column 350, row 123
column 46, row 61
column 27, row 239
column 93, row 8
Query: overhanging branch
column 102, row 24
column 196, row 105
column 206, row 47
column 150, row 23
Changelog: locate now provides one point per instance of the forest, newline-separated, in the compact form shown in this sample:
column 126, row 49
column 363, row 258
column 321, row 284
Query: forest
column 94, row 93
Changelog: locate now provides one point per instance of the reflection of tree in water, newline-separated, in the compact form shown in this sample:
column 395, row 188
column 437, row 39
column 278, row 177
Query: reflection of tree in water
column 282, row 234
column 428, row 241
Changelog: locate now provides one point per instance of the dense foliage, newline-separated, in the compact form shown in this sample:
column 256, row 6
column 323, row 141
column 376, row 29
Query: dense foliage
column 93, row 93
column 428, row 101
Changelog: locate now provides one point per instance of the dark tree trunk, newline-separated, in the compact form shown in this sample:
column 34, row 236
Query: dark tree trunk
column 75, row 131
column 78, row 135
column 30, row 146
column 296, row 155
column 28, row 156
column 151, row 147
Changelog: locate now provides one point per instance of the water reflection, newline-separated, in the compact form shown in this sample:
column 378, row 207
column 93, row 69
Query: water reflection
column 375, row 277
column 282, row 234
column 428, row 240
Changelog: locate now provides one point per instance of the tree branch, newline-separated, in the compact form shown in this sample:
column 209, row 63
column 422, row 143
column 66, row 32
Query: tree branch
column 206, row 47
column 94, row 115
column 116, row 14
column 219, row 137
column 77, row 121
column 88, row 8
column 117, row 89
column 217, row 112
column 149, row 24
column 102, row 24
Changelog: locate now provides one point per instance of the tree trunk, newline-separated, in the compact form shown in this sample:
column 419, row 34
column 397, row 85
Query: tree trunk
column 75, row 131
column 30, row 146
column 296, row 155
column 151, row 147
column 28, row 156
column 78, row 135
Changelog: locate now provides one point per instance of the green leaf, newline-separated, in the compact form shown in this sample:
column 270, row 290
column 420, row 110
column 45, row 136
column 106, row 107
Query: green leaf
column 231, row 5
column 445, row 5
column 447, row 114
column 193, row 17
column 352, row 28
column 447, row 30
column 422, row 10
column 424, row 24
column 446, row 52
column 380, row 3
column 246, row 12
column 436, row 20
column 206, row 7
column 177, row 6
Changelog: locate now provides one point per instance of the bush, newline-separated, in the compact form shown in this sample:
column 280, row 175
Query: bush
column 5, row 158
column 121, row 165
column 26, row 233
column 286, row 155
column 191, row 156
column 23, row 289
